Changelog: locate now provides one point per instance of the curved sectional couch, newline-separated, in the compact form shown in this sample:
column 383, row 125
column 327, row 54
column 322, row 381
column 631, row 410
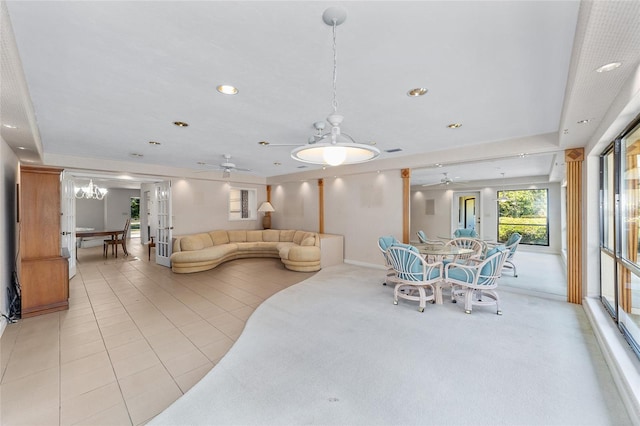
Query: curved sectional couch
column 298, row 250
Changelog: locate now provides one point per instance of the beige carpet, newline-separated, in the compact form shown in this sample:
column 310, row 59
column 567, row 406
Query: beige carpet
column 335, row 350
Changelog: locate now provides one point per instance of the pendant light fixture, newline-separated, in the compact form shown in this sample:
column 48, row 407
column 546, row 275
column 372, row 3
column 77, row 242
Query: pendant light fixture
column 91, row 192
column 334, row 148
column 503, row 198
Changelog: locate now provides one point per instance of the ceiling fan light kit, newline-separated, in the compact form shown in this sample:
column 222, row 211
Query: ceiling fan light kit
column 334, row 148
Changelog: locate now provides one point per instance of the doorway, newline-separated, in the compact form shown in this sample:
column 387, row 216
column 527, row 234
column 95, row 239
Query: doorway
column 465, row 207
column 135, row 217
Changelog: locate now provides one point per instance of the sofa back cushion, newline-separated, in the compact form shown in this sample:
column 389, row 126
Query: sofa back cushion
column 237, row 236
column 286, row 235
column 219, row 237
column 271, row 235
column 195, row 242
column 309, row 239
column 254, row 236
column 298, row 237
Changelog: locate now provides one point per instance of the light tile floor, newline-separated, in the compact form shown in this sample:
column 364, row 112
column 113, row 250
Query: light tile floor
column 135, row 338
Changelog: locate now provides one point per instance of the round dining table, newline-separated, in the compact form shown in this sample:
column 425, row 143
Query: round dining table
column 437, row 252
column 440, row 251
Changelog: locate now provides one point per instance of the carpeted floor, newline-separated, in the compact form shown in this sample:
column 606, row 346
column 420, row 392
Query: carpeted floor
column 335, row 350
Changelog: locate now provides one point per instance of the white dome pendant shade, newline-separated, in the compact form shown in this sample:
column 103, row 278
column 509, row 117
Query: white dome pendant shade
column 340, row 149
column 337, row 148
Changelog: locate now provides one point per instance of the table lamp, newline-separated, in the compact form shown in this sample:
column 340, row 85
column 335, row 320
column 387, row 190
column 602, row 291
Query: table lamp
column 266, row 208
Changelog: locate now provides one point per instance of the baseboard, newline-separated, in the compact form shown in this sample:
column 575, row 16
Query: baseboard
column 622, row 362
column 3, row 325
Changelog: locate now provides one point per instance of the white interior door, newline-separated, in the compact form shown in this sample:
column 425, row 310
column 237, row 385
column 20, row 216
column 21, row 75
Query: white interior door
column 461, row 216
column 68, row 221
column 165, row 228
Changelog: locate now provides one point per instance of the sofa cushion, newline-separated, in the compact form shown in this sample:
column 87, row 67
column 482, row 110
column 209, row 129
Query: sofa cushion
column 219, row 237
column 286, row 235
column 309, row 241
column 298, row 236
column 237, row 236
column 254, row 236
column 214, row 253
column 271, row 235
column 259, row 246
column 195, row 242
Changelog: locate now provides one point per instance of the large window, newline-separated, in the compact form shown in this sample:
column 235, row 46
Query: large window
column 524, row 211
column 620, row 234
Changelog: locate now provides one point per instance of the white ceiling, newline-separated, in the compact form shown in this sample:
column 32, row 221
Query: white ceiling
column 105, row 78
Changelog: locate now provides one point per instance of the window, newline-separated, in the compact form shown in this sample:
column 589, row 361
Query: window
column 524, row 211
column 242, row 204
column 620, row 233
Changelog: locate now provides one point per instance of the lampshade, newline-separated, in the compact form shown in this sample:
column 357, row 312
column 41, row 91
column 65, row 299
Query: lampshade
column 266, row 207
column 334, row 148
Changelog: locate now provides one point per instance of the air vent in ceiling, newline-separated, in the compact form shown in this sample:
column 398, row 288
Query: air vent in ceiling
column 393, row 150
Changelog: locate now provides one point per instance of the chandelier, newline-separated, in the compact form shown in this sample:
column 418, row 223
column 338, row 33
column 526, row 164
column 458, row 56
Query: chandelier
column 334, row 148
column 91, row 192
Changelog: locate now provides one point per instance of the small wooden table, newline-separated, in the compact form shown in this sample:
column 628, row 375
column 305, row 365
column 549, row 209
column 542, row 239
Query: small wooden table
column 94, row 233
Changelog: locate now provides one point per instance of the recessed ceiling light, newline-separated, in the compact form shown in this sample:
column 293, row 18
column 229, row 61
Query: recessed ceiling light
column 154, row 143
column 263, row 143
column 454, row 125
column 584, row 121
column 181, row 124
column 523, row 154
column 418, row 91
column 438, row 165
column 227, row 89
column 22, row 148
column 609, row 67
column 9, row 126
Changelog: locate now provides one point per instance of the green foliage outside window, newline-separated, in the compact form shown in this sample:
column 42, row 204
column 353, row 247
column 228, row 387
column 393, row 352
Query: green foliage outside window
column 135, row 213
column 525, row 212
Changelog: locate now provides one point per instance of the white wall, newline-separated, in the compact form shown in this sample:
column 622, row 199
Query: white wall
column 90, row 213
column 362, row 208
column 118, row 207
column 202, row 205
column 296, row 205
column 8, row 227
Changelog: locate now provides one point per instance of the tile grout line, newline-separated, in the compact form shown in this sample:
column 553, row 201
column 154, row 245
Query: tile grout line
column 105, row 348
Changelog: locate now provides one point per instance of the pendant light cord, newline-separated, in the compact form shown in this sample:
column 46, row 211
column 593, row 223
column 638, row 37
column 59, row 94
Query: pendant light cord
column 335, row 69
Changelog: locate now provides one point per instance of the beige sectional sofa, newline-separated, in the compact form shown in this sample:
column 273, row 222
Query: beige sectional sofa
column 298, row 250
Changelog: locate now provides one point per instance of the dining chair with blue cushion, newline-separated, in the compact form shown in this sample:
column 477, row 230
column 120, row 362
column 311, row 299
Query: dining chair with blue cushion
column 465, row 232
column 414, row 277
column 424, row 240
column 478, row 247
column 474, row 284
column 512, row 245
column 383, row 244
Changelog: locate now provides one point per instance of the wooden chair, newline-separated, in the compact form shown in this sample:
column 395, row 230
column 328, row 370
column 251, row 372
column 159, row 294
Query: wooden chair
column 119, row 239
column 151, row 244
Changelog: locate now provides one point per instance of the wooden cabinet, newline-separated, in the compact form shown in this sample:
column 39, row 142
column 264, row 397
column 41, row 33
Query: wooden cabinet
column 44, row 273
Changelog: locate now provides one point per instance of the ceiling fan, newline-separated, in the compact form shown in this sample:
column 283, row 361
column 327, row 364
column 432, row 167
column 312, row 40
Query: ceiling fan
column 446, row 180
column 226, row 166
